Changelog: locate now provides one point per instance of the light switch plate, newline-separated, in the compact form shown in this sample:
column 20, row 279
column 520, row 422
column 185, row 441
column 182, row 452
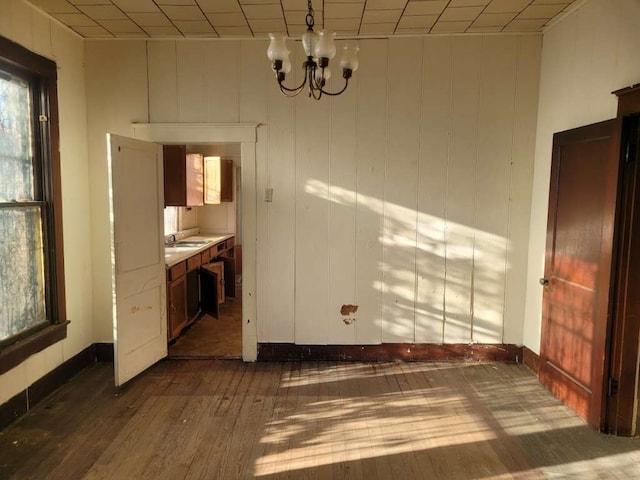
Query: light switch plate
column 268, row 194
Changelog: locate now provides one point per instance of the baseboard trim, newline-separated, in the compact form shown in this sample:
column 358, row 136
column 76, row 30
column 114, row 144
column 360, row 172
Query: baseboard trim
column 22, row 402
column 408, row 352
column 531, row 359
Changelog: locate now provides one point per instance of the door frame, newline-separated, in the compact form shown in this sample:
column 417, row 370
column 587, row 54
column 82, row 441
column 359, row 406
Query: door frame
column 246, row 135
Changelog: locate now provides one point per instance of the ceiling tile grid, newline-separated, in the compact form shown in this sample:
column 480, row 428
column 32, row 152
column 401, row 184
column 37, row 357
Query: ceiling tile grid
column 256, row 18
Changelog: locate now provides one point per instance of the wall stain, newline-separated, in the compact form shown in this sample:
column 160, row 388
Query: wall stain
column 348, row 313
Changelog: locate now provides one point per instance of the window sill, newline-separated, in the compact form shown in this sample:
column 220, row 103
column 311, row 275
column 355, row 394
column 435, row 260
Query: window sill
column 15, row 354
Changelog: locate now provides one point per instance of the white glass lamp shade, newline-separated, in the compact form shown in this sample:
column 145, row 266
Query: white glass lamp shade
column 278, row 47
column 349, row 58
column 286, row 66
column 323, row 73
column 325, row 48
column 309, row 42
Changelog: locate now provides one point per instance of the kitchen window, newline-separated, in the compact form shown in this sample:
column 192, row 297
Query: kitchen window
column 32, row 307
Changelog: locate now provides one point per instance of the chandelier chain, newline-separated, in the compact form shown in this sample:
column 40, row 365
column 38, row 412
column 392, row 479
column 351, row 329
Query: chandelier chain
column 310, row 18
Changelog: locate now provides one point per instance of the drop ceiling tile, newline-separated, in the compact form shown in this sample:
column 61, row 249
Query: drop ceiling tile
column 377, row 28
column 56, row 6
column 234, row 31
column 219, row 6
column 450, row 27
column 120, row 26
column 381, row 16
column 195, row 28
column 493, row 20
column 527, row 25
column 551, row 2
column 175, row 2
column 103, row 12
column 89, row 2
column 332, row 1
column 473, row 29
column 137, row 5
column 227, row 19
column 192, row 13
column 75, row 19
column 93, row 32
column 151, row 19
column 162, row 31
column 268, row 25
column 262, row 11
column 258, row 2
column 469, row 3
column 296, row 30
column 460, row 14
column 298, row 17
column 417, row 21
column 297, row 5
column 386, row 4
column 541, row 11
column 431, row 7
column 412, row 31
column 506, row 6
column 341, row 24
column 343, row 10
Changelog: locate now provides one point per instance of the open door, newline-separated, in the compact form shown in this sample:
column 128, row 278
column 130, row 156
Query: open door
column 138, row 278
column 577, row 298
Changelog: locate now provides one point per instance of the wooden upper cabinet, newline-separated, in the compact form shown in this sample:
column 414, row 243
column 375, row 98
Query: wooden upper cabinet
column 218, row 180
column 183, row 177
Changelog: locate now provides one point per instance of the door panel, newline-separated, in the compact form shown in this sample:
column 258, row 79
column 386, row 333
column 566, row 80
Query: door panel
column 578, row 266
column 138, row 268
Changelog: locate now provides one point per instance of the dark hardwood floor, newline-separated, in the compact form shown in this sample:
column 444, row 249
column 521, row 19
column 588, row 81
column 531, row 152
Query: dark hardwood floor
column 224, row 419
column 211, row 337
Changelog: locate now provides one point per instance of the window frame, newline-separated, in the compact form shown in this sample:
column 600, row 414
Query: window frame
column 42, row 74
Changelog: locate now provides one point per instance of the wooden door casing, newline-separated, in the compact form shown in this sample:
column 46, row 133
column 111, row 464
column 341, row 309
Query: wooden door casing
column 578, row 266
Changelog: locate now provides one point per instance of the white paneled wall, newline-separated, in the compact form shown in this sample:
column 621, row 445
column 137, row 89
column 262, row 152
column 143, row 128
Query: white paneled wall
column 407, row 196
column 588, row 55
column 22, row 23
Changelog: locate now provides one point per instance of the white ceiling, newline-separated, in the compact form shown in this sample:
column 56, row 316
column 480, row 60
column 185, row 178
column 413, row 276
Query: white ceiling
column 256, row 18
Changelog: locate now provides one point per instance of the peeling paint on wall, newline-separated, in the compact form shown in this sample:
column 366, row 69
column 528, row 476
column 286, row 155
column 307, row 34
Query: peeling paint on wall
column 348, row 313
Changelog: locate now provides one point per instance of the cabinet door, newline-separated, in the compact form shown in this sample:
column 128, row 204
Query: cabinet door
column 209, row 290
column 177, row 306
column 218, row 180
column 226, row 181
column 183, row 177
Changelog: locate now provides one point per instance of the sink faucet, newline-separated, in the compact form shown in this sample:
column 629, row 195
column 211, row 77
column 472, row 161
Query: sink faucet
column 172, row 240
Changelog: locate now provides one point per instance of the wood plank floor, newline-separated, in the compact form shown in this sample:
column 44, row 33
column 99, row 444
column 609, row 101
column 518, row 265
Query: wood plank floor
column 223, row 419
column 211, row 337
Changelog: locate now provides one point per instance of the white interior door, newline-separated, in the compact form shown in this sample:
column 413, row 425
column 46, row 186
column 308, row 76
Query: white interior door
column 138, row 282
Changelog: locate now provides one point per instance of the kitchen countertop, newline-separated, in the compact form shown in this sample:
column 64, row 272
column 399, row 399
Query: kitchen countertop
column 174, row 255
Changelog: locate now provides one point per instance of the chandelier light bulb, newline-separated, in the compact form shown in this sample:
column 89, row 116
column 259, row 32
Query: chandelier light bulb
column 322, row 74
column 286, row 66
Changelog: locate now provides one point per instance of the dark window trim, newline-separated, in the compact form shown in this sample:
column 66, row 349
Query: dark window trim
column 32, row 64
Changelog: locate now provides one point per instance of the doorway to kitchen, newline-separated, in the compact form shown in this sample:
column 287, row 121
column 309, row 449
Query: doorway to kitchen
column 243, row 306
column 208, row 283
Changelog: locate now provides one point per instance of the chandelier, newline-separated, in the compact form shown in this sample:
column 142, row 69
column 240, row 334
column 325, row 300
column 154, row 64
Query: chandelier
column 319, row 49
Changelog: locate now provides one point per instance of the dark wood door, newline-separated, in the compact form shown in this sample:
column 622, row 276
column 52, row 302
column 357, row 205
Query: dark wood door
column 578, row 266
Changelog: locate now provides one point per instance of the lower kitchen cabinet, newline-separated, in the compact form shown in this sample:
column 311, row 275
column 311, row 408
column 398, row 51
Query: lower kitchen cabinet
column 177, row 306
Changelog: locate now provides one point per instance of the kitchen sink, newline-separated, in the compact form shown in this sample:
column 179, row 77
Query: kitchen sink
column 189, row 244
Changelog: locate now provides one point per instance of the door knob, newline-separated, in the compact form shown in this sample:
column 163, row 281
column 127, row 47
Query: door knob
column 544, row 282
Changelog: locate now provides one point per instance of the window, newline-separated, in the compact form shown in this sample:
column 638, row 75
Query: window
column 32, row 308
column 171, row 217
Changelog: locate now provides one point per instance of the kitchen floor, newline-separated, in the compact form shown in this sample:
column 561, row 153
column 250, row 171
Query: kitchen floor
column 212, row 337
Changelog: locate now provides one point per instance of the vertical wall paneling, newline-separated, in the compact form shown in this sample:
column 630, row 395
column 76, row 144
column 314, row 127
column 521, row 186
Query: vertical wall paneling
column 400, row 189
column 255, row 80
column 280, row 249
column 163, row 81
column 432, row 188
column 342, row 211
column 221, row 81
column 491, row 209
column 463, row 143
column 42, row 36
column 249, row 307
column 312, row 218
column 192, row 82
column 524, row 120
column 370, row 156
column 22, row 26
